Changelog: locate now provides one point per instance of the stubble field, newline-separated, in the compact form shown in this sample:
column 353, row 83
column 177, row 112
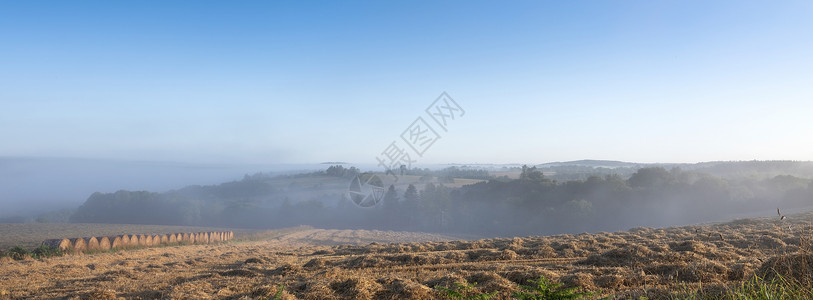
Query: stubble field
column 361, row 264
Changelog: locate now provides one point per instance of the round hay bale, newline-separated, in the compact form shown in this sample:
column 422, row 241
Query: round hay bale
column 164, row 239
column 134, row 240
column 149, row 239
column 173, row 238
column 61, row 244
column 104, row 243
column 78, row 245
column 91, row 244
column 116, row 242
column 125, row 240
column 142, row 240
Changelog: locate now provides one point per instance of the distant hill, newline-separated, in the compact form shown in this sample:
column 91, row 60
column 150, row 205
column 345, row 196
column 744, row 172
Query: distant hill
column 592, row 163
column 582, row 169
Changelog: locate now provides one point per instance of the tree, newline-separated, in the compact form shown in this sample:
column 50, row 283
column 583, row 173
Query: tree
column 435, row 205
column 411, row 204
column 531, row 173
column 391, row 198
column 650, row 178
column 392, row 208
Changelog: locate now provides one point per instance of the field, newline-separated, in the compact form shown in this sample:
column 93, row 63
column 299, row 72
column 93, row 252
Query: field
column 361, row 264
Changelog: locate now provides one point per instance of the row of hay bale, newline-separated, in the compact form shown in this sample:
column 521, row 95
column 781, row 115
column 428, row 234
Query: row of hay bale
column 125, row 241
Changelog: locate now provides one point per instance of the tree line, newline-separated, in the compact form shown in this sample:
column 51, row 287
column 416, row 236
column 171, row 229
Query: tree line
column 532, row 204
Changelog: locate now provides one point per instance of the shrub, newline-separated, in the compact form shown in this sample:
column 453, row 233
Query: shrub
column 18, row 253
column 46, row 251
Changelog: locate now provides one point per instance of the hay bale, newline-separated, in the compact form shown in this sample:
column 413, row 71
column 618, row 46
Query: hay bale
column 142, row 240
column 78, row 245
column 61, row 244
column 173, row 238
column 206, row 237
column 156, row 239
column 185, row 238
column 148, row 240
column 125, row 241
column 134, row 240
column 164, row 239
column 192, row 238
column 116, row 242
column 104, row 243
column 91, row 244
column 231, row 235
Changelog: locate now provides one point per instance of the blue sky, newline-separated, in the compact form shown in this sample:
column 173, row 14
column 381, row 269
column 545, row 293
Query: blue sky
column 305, row 82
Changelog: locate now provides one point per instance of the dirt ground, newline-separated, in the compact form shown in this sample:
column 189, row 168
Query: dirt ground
column 363, row 264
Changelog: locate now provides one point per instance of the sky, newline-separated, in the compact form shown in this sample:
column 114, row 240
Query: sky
column 314, row 81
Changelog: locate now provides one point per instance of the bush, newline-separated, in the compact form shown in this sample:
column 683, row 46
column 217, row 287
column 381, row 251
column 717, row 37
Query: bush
column 18, row 253
column 45, row 251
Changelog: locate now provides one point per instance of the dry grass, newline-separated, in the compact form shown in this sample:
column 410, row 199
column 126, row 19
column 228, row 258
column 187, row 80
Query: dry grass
column 362, row 264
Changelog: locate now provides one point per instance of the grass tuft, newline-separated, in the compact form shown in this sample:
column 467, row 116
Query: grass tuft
column 544, row 289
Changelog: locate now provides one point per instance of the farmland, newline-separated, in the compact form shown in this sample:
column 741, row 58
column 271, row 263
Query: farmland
column 362, row 264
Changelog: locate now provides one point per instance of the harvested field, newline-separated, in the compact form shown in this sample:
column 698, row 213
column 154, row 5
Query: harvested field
column 362, row 264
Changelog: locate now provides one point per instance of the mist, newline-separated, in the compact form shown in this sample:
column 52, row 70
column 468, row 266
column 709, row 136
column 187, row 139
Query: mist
column 485, row 200
column 34, row 185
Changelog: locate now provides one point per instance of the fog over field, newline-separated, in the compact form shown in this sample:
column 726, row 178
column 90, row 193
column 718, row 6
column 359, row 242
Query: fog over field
column 265, row 115
column 406, row 149
column 33, row 185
